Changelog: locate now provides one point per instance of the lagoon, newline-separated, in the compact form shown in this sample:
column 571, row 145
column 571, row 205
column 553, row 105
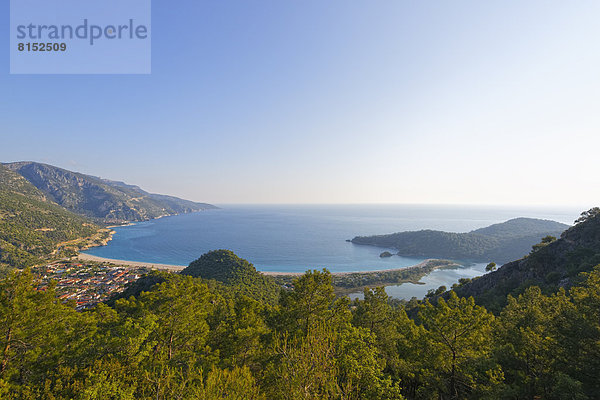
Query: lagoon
column 294, row 238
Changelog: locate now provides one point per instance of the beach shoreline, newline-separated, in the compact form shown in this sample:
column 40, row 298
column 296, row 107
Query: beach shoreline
column 169, row 267
column 179, row 268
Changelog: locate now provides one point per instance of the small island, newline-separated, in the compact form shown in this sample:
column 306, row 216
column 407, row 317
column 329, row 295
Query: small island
column 385, row 254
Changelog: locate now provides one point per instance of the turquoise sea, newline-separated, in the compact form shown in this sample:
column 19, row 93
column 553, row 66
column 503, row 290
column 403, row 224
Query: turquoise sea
column 294, row 238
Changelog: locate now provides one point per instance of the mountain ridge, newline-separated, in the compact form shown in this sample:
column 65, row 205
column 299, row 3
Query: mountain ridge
column 32, row 226
column 103, row 200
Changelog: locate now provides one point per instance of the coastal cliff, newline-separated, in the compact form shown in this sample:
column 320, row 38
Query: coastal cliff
column 103, row 200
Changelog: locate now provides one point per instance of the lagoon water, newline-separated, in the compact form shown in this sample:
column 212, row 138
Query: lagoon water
column 434, row 280
column 292, row 238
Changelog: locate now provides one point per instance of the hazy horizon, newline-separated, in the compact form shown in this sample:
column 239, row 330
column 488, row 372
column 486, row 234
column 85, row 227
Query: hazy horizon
column 572, row 206
column 334, row 103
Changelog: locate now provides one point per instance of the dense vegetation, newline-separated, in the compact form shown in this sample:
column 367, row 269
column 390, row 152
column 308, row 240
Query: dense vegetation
column 31, row 227
column 237, row 274
column 107, row 201
column 176, row 336
column 499, row 242
column 552, row 264
column 187, row 339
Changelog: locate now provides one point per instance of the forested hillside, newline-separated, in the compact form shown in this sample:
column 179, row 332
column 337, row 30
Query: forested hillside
column 31, row 226
column 551, row 264
column 236, row 273
column 105, row 200
column 222, row 330
column 499, row 242
column 189, row 338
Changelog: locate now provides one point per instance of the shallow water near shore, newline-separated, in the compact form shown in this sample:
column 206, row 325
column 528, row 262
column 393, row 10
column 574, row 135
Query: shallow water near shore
column 439, row 277
column 290, row 238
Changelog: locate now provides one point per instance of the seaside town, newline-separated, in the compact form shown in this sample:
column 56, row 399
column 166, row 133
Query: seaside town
column 87, row 284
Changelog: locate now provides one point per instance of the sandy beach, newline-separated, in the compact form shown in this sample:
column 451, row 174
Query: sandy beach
column 178, row 268
column 174, row 268
column 88, row 257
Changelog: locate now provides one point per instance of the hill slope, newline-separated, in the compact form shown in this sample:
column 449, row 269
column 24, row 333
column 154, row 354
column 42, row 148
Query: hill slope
column 499, row 242
column 224, row 266
column 31, row 226
column 105, row 200
column 555, row 265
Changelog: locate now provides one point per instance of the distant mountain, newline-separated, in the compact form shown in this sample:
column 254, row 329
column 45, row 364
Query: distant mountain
column 499, row 242
column 31, row 225
column 556, row 264
column 101, row 199
column 236, row 273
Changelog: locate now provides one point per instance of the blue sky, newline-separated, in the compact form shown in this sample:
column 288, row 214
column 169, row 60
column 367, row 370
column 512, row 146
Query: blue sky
column 334, row 102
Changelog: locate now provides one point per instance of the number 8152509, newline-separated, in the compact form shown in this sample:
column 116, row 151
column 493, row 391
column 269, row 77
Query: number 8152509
column 42, row 46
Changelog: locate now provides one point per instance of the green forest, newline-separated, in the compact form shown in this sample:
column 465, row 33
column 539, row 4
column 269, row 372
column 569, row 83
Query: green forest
column 31, row 226
column 185, row 337
column 222, row 330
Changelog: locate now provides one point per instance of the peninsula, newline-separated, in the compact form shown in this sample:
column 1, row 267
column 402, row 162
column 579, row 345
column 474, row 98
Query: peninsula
column 499, row 242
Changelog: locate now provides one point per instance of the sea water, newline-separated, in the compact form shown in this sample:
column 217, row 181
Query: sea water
column 295, row 238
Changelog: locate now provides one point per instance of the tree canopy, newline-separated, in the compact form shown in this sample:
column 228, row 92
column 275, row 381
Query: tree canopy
column 185, row 337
